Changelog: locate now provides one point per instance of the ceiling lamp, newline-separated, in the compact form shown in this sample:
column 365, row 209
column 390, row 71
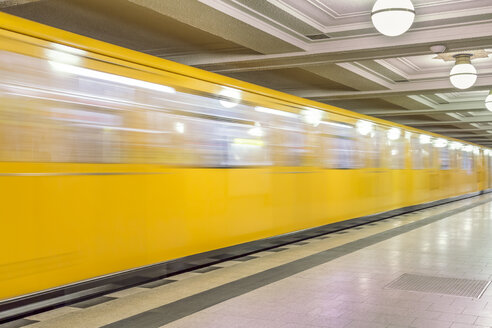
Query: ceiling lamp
column 463, row 75
column 488, row 101
column 393, row 17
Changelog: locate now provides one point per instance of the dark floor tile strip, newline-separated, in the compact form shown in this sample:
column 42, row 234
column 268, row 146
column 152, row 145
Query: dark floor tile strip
column 174, row 311
column 157, row 283
column 92, row 302
column 207, row 269
column 246, row 258
column 278, row 249
column 17, row 323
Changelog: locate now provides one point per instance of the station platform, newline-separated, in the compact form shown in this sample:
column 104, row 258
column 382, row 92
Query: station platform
column 425, row 269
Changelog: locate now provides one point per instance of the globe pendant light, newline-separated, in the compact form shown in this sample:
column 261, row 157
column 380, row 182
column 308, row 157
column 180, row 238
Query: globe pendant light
column 488, row 101
column 463, row 75
column 393, row 17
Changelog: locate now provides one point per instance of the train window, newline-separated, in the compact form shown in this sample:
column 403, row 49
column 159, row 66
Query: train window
column 467, row 161
column 375, row 155
column 286, row 135
column 344, row 152
column 371, row 148
column 89, row 136
column 396, row 148
column 245, row 147
column 201, row 142
column 46, row 131
column 339, row 146
column 63, row 116
column 416, row 153
column 454, row 158
column 444, row 158
column 195, row 141
column 19, row 127
column 293, row 148
column 459, row 159
column 154, row 137
column 428, row 153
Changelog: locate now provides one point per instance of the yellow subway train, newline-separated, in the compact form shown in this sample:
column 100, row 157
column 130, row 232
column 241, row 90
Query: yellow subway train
column 113, row 162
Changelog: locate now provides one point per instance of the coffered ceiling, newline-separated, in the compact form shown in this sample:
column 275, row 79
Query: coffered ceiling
column 326, row 50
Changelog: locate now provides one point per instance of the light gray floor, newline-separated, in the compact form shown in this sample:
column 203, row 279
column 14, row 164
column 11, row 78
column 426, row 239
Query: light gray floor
column 349, row 291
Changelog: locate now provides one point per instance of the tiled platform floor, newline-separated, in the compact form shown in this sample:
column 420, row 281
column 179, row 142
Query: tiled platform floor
column 337, row 280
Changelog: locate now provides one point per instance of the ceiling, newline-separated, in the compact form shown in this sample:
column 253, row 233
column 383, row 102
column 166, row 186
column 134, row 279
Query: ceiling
column 325, row 50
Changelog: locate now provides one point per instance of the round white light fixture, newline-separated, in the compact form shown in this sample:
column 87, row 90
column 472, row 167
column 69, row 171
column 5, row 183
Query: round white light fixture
column 488, row 101
column 463, row 75
column 393, row 17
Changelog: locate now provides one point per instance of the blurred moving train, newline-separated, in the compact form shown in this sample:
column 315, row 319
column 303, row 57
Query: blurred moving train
column 113, row 160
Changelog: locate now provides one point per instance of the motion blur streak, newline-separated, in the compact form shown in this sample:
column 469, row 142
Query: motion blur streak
column 112, row 160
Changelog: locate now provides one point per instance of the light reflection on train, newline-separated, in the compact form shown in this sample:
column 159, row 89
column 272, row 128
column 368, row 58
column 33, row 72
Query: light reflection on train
column 75, row 114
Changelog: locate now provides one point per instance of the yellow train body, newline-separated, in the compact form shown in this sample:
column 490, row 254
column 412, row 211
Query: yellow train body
column 65, row 222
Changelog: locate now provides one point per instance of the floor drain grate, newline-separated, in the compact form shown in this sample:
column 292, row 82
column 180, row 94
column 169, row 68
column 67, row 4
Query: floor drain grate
column 440, row 285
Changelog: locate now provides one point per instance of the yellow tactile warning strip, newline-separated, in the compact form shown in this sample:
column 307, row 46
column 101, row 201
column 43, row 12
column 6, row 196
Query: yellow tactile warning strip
column 135, row 301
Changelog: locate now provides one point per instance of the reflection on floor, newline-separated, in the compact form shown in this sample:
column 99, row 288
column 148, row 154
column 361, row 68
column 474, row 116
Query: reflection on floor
column 337, row 280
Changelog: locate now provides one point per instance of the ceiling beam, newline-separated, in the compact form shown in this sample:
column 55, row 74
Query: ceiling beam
column 367, row 47
column 469, row 138
column 442, row 85
column 470, row 135
column 445, row 108
column 13, row 3
column 459, row 130
column 465, row 120
column 250, row 33
column 350, row 76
